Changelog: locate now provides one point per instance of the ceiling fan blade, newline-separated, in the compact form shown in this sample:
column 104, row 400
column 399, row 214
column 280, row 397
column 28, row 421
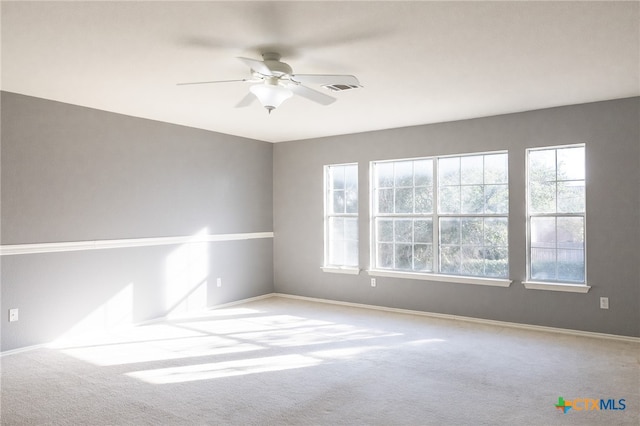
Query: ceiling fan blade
column 312, row 95
column 322, row 79
column 210, row 82
column 246, row 101
column 255, row 65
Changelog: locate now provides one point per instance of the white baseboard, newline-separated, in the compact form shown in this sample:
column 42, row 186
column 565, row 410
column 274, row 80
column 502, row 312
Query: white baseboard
column 541, row 328
column 240, row 302
column 20, row 350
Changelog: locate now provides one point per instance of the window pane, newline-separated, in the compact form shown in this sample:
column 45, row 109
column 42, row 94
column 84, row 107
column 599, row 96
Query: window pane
column 423, row 231
column 450, row 231
column 472, row 261
column 423, row 257
column 471, row 170
column 404, row 200
column 496, row 262
column 403, row 230
column 336, row 228
column 449, row 199
column 472, row 199
column 571, row 197
column 351, row 201
column 449, row 171
column 404, row 256
column 571, row 265
column 404, row 173
column 385, row 201
column 351, row 177
column 571, row 163
column 338, row 204
column 336, row 177
column 496, row 232
column 471, row 231
column 543, row 264
column 385, row 231
column 423, row 171
column 496, row 199
column 336, row 253
column 542, row 197
column 570, row 233
column 351, row 229
column 543, row 232
column 450, row 259
column 385, row 256
column 496, row 168
column 542, row 165
column 384, row 172
column 351, row 253
column 424, row 199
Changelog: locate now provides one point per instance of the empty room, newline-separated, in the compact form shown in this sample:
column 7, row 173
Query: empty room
column 320, row 213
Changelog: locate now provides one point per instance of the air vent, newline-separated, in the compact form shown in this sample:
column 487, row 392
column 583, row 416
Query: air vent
column 339, row 87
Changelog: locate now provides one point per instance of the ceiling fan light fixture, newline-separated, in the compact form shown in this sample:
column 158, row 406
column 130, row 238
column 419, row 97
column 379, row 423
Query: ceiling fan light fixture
column 279, row 83
column 271, row 96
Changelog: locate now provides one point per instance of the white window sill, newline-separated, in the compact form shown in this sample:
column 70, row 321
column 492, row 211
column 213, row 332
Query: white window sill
column 496, row 282
column 571, row 288
column 341, row 270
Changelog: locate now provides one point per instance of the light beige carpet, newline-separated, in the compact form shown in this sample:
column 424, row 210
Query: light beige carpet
column 288, row 362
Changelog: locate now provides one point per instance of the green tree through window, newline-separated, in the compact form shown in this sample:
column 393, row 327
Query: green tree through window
column 556, row 214
column 467, row 234
column 341, row 215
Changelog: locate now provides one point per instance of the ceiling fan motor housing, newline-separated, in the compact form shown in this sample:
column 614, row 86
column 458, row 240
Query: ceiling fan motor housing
column 277, row 68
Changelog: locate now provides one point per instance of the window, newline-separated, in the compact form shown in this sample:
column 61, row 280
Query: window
column 341, row 215
column 473, row 209
column 556, row 214
column 404, row 215
column 443, row 215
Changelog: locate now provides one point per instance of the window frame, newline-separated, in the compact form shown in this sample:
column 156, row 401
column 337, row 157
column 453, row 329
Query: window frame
column 434, row 216
column 327, row 266
column 557, row 285
column 409, row 216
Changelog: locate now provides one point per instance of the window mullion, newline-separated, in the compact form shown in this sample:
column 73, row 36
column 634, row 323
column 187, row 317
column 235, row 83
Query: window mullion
column 435, row 221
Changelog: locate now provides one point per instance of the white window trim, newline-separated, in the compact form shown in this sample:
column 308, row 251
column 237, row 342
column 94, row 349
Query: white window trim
column 553, row 285
column 570, row 288
column 427, row 276
column 327, row 267
column 341, row 270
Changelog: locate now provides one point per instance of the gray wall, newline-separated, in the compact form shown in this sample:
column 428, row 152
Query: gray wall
column 76, row 174
column 611, row 133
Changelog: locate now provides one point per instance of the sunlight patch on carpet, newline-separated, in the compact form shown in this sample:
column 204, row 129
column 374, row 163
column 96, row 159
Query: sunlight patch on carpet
column 159, row 350
column 218, row 370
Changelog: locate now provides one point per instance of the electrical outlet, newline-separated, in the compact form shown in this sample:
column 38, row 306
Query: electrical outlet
column 604, row 303
column 13, row 315
column 219, row 282
column 373, row 282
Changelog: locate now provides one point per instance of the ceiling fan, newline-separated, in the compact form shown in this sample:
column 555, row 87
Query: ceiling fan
column 276, row 82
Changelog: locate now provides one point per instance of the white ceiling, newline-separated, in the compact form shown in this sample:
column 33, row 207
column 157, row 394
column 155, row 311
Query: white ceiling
column 419, row 62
